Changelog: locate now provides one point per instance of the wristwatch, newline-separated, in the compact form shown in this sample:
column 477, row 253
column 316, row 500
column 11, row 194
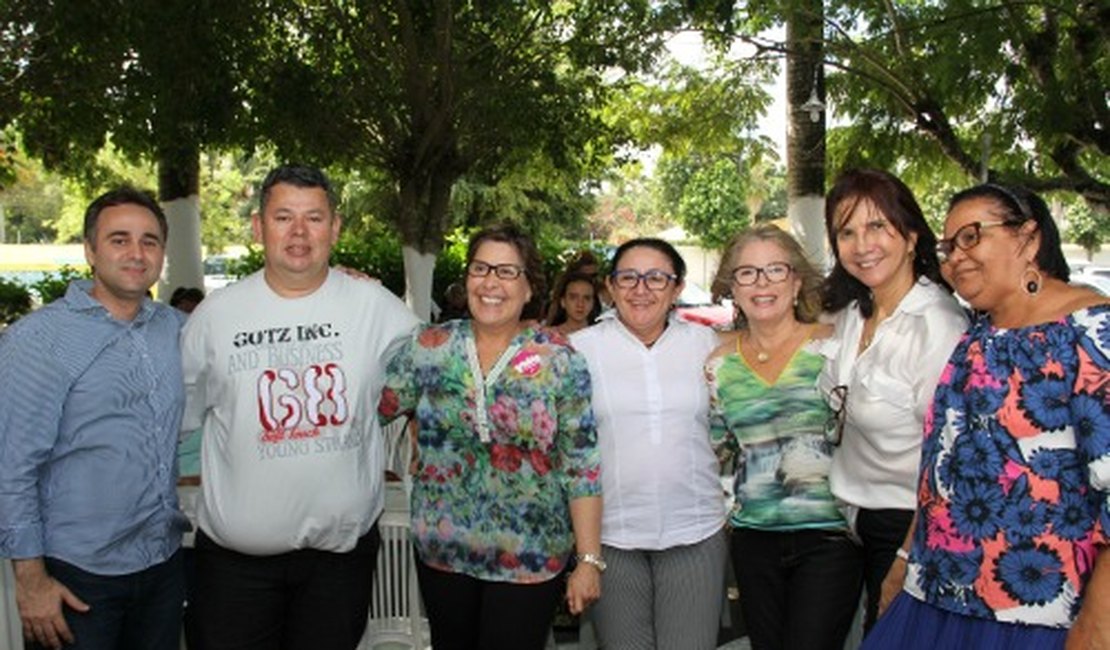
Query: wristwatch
column 595, row 560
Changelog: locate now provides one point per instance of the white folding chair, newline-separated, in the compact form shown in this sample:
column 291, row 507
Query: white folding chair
column 11, row 628
column 396, row 618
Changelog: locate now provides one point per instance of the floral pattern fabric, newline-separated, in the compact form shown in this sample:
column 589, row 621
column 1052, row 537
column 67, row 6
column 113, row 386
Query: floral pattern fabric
column 776, row 432
column 496, row 510
column 1014, row 498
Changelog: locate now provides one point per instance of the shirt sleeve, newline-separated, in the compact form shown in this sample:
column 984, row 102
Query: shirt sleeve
column 400, row 391
column 33, row 389
column 1090, row 412
column 194, row 367
column 943, row 326
column 720, row 438
column 577, row 432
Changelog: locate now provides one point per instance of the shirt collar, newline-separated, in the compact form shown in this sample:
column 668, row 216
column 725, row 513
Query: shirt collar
column 79, row 298
column 920, row 297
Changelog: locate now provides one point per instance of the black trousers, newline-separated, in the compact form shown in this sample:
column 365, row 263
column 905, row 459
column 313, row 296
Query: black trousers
column 466, row 613
column 300, row 600
column 799, row 590
column 882, row 533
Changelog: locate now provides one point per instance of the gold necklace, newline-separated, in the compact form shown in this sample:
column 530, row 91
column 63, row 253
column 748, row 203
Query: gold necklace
column 761, row 355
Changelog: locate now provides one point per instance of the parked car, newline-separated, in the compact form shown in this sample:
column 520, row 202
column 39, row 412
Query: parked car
column 215, row 273
column 1087, row 274
column 696, row 305
column 1100, row 283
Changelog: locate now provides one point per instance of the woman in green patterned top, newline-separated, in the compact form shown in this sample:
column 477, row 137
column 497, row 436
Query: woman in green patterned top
column 797, row 569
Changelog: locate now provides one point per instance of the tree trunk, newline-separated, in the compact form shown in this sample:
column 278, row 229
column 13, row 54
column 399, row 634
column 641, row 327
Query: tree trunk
column 179, row 194
column 805, row 137
column 423, row 218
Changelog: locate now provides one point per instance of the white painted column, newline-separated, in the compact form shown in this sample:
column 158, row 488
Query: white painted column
column 807, row 220
column 419, row 268
column 184, row 266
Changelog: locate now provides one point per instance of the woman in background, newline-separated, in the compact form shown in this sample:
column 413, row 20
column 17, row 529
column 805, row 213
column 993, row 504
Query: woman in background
column 662, row 528
column 896, row 323
column 574, row 303
column 1010, row 544
column 506, row 483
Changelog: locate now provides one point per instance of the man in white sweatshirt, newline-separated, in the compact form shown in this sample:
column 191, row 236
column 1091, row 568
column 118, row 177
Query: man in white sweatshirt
column 283, row 370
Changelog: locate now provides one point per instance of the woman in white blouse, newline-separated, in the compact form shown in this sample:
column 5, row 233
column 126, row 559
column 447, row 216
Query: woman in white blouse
column 896, row 324
column 662, row 523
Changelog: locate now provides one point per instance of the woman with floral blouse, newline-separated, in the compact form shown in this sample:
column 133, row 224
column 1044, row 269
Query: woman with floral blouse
column 507, row 477
column 1009, row 545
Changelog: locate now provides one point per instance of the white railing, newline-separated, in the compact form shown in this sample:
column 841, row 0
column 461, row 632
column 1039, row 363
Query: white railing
column 11, row 630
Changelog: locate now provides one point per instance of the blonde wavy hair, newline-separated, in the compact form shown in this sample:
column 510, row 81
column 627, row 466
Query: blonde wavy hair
column 808, row 307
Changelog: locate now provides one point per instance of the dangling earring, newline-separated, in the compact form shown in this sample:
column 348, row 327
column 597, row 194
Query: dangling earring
column 1031, row 281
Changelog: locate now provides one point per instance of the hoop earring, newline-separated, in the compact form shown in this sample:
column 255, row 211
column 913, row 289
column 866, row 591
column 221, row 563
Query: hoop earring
column 1031, row 281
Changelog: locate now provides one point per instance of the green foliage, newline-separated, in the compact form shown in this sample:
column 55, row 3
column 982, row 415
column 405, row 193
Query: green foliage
column 714, row 203
column 29, row 202
column 53, row 285
column 425, row 94
column 108, row 168
column 626, row 208
column 928, row 84
column 161, row 77
column 1085, row 228
column 241, row 267
column 227, row 197
column 15, row 301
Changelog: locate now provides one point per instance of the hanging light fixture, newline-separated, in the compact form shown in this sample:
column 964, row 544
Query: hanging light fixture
column 814, row 106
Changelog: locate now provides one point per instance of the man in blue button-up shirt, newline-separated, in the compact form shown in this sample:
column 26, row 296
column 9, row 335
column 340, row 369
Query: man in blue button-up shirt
column 91, row 397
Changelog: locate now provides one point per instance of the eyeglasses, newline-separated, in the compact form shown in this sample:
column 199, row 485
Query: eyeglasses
column 748, row 275
column 834, row 426
column 654, row 279
column 966, row 238
column 480, row 269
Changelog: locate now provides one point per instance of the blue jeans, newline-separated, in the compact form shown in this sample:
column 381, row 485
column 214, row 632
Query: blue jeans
column 136, row 611
column 799, row 590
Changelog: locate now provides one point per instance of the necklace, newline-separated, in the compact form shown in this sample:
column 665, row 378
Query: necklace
column 762, row 355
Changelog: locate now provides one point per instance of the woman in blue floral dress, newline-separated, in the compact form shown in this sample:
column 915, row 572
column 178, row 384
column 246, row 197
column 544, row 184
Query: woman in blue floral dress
column 1009, row 545
column 507, row 478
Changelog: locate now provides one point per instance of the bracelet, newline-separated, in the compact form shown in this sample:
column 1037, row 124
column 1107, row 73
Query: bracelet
column 903, row 553
column 593, row 560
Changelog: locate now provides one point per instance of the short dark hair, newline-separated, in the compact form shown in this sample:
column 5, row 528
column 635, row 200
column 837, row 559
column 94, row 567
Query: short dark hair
column 1020, row 205
column 656, row 244
column 896, row 202
column 183, row 294
column 298, row 176
column 123, row 195
column 529, row 254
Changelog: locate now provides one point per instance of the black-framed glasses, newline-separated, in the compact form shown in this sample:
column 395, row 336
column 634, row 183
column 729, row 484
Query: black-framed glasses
column 747, row 275
column 654, row 279
column 480, row 269
column 965, row 238
column 834, row 426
